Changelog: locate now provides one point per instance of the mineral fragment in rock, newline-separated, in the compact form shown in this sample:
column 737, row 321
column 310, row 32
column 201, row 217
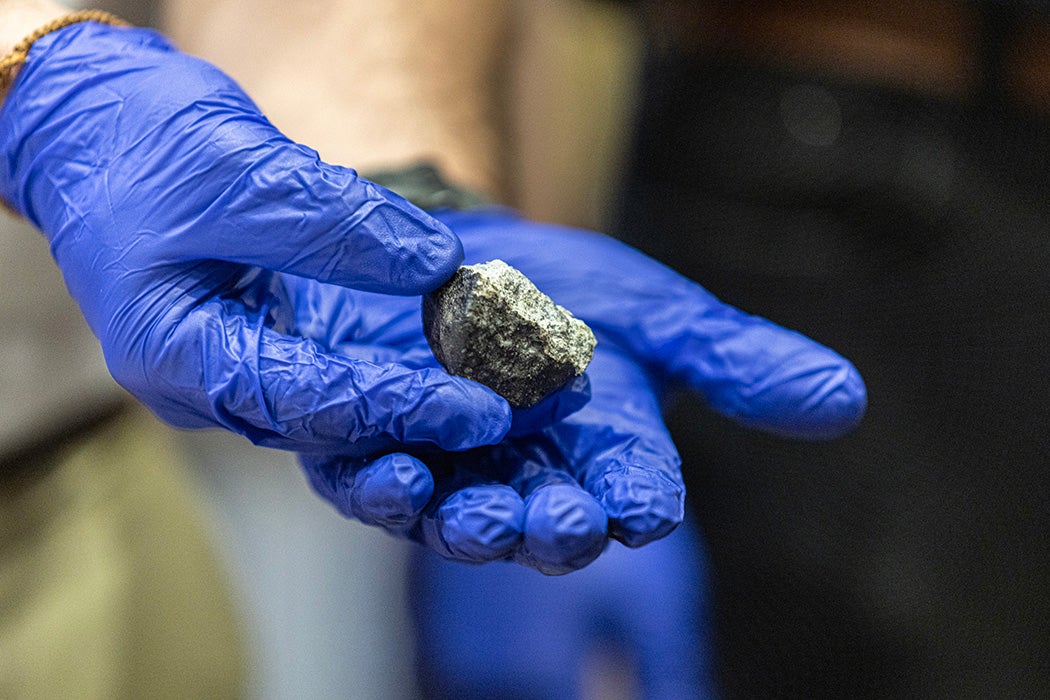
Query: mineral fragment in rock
column 489, row 323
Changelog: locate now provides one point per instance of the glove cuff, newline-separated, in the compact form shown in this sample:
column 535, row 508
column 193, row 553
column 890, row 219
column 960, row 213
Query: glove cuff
column 423, row 184
column 10, row 63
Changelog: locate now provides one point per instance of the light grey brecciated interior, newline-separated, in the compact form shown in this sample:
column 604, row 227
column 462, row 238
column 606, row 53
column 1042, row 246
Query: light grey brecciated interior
column 489, row 323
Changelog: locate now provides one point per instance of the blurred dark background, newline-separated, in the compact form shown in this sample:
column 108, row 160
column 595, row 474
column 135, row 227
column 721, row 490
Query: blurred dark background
column 875, row 176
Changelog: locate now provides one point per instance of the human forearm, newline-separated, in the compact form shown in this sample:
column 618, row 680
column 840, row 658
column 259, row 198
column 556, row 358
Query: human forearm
column 367, row 84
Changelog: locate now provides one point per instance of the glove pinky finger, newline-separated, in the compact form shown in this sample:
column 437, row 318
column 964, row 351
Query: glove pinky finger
column 389, row 492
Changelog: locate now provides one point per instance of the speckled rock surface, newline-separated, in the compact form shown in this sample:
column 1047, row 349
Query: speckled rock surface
column 489, row 323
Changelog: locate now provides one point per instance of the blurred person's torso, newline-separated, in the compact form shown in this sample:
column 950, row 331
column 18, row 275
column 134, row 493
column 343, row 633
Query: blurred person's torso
column 51, row 368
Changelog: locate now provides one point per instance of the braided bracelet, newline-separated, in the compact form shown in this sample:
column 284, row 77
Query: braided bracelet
column 10, row 63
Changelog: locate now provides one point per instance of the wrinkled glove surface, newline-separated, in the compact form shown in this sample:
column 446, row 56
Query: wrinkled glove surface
column 170, row 203
column 550, row 496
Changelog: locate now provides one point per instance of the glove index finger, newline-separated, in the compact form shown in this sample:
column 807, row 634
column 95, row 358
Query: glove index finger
column 288, row 210
column 752, row 370
column 770, row 378
column 334, row 226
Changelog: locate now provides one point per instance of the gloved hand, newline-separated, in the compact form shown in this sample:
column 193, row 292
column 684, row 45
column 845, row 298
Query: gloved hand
column 169, row 202
column 502, row 631
column 549, row 497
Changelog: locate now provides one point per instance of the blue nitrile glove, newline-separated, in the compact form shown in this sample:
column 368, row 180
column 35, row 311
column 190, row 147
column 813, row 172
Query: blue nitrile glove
column 502, row 631
column 169, row 202
column 549, row 497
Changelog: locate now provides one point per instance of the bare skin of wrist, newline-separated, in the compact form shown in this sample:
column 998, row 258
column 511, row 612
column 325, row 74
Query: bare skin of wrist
column 18, row 18
column 368, row 84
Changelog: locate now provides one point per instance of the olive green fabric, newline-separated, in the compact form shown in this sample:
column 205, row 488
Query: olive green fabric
column 108, row 588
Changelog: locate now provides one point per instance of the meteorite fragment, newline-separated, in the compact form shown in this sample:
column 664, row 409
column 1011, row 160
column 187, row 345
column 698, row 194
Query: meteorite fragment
column 489, row 323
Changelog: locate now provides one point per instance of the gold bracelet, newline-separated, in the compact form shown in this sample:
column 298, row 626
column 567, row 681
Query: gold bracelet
column 10, row 63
